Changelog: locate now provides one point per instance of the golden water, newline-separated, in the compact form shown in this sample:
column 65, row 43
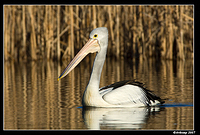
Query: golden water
column 34, row 99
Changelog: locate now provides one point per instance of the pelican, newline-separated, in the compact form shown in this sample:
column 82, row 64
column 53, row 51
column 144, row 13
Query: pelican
column 119, row 94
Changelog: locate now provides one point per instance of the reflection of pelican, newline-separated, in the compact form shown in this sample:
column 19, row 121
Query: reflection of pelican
column 117, row 118
column 120, row 94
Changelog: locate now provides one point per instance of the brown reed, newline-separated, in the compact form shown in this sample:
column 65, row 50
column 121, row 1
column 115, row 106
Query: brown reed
column 56, row 31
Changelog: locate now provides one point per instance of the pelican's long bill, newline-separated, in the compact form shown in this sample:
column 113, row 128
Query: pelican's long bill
column 90, row 47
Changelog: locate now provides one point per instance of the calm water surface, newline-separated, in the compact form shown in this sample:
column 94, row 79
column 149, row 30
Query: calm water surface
column 34, row 99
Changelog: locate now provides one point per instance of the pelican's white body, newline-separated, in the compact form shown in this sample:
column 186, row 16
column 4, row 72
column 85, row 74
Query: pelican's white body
column 120, row 97
column 116, row 95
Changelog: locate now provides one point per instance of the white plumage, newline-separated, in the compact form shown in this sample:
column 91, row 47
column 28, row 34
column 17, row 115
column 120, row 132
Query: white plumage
column 125, row 95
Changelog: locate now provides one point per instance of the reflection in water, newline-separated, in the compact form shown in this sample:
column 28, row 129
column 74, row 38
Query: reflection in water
column 117, row 118
column 34, row 99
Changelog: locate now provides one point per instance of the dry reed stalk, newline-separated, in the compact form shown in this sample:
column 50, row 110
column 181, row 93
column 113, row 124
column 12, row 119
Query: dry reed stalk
column 83, row 18
column 77, row 24
column 33, row 36
column 105, row 21
column 46, row 29
column 51, row 32
column 67, row 50
column 9, row 32
column 13, row 31
column 38, row 27
column 72, row 31
column 134, row 30
column 5, row 32
column 99, row 16
column 88, row 16
column 179, row 36
column 166, row 31
column 188, row 42
column 181, row 47
column 149, row 30
column 94, row 16
column 140, row 31
column 111, row 23
column 24, row 31
column 126, row 17
column 48, row 11
column 122, row 29
column 171, row 35
column 42, row 32
column 54, row 24
column 117, row 29
column 142, row 8
column 58, row 33
column 163, row 36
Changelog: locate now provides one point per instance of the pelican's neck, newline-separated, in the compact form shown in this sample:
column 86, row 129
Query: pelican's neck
column 91, row 96
column 97, row 69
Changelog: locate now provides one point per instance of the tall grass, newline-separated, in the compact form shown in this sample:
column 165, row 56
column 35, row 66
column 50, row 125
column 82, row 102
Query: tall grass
column 58, row 32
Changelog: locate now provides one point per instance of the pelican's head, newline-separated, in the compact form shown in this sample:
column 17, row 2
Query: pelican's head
column 101, row 35
column 97, row 42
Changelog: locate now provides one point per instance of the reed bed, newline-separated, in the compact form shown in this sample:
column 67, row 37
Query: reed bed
column 58, row 32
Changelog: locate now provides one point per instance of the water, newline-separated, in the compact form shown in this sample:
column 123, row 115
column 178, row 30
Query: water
column 34, row 99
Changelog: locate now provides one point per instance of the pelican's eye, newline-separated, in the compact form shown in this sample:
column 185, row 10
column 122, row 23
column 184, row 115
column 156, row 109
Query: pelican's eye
column 95, row 36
